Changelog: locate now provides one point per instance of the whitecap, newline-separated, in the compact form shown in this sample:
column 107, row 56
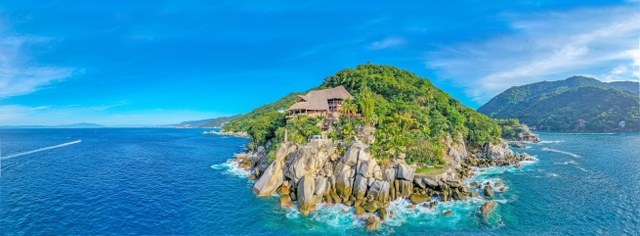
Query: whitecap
column 560, row 151
column 232, row 167
column 531, row 160
column 552, row 175
column 433, row 217
column 498, row 170
column 336, row 216
column 292, row 213
column 566, row 163
column 582, row 169
column 550, row 141
column 503, row 201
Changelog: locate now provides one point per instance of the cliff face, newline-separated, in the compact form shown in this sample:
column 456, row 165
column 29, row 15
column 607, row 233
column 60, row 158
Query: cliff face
column 319, row 172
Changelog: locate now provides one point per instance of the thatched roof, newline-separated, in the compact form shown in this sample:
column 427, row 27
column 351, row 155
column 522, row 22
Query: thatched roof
column 317, row 99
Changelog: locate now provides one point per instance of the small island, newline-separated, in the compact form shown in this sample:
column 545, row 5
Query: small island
column 368, row 136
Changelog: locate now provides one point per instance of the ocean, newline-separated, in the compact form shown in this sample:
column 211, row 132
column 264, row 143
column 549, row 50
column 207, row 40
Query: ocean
column 179, row 181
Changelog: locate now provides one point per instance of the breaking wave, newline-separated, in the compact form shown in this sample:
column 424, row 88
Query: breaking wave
column 551, row 141
column 560, row 151
column 232, row 167
column 552, row 175
column 462, row 212
column 582, row 169
column 337, row 216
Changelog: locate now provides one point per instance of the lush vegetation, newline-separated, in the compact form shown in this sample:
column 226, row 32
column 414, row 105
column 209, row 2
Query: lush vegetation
column 431, row 170
column 410, row 116
column 575, row 104
column 510, row 128
column 262, row 122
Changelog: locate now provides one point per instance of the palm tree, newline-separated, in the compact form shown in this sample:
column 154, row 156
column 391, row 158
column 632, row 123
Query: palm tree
column 349, row 108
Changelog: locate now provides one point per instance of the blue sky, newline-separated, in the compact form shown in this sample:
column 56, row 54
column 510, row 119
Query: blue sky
column 161, row 62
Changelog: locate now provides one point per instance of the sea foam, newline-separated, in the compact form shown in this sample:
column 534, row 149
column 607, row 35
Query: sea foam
column 337, row 216
column 232, row 167
column 560, row 151
column 550, row 141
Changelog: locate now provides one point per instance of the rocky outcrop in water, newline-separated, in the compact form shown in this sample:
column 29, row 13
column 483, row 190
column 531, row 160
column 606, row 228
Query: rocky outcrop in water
column 525, row 135
column 518, row 144
column 487, row 209
column 347, row 173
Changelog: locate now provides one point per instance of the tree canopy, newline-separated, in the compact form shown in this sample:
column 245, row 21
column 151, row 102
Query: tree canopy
column 409, row 113
column 576, row 104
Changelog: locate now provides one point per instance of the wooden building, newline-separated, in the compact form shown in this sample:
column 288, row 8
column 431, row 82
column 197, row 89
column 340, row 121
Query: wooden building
column 320, row 102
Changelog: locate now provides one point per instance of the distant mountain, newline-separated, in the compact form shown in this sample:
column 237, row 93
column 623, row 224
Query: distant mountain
column 578, row 103
column 208, row 123
column 80, row 125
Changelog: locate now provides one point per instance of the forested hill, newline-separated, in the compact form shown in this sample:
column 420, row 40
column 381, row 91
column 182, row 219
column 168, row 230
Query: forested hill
column 576, row 104
column 208, row 123
column 409, row 113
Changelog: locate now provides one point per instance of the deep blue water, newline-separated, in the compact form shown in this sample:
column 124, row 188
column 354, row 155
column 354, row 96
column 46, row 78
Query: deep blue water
column 178, row 181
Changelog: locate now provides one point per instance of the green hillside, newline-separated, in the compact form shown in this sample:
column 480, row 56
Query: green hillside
column 208, row 123
column 576, row 104
column 409, row 113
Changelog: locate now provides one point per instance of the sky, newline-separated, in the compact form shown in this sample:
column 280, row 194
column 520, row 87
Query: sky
column 161, row 62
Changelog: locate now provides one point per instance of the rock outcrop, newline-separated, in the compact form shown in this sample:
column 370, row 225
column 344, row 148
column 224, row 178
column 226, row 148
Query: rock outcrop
column 487, row 209
column 319, row 172
column 273, row 176
column 306, row 194
column 372, row 223
column 525, row 135
column 419, row 198
column 518, row 144
column 495, row 151
column 488, row 191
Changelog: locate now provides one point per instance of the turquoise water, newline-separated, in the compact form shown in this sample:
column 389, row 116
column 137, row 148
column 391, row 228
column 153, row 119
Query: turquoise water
column 178, row 181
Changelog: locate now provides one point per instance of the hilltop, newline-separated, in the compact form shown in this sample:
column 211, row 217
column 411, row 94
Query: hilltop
column 578, row 103
column 391, row 134
column 406, row 110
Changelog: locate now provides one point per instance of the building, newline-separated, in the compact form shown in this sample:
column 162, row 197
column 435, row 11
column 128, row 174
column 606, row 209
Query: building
column 320, row 102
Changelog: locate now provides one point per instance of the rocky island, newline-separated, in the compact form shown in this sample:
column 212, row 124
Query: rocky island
column 368, row 136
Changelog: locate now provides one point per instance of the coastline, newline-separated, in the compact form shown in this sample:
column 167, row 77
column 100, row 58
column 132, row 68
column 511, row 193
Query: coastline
column 228, row 133
column 403, row 210
column 423, row 192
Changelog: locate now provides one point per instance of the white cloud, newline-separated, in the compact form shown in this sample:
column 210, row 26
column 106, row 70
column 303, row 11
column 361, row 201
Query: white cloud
column 547, row 46
column 18, row 75
column 387, row 43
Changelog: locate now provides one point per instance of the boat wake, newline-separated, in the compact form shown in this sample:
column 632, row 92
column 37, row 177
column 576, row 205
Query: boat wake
column 560, row 151
column 40, row 150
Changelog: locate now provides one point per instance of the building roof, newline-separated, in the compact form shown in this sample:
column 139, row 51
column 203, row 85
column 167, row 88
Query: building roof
column 317, row 99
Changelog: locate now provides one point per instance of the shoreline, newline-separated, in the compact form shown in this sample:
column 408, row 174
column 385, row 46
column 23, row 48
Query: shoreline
column 227, row 133
column 424, row 191
column 401, row 210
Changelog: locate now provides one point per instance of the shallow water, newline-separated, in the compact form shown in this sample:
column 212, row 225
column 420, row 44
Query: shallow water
column 178, row 181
